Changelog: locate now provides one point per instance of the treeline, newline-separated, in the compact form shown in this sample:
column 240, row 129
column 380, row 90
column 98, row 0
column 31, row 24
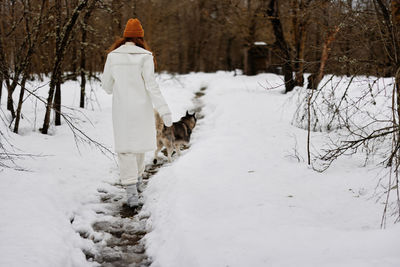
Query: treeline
column 200, row 35
column 67, row 39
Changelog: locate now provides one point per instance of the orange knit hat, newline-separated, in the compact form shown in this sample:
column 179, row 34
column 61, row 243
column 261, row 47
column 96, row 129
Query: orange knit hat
column 133, row 28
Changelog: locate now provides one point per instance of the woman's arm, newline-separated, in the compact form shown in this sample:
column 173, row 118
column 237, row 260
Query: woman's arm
column 107, row 80
column 152, row 87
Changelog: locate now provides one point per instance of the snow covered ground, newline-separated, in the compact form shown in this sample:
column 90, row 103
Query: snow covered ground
column 237, row 197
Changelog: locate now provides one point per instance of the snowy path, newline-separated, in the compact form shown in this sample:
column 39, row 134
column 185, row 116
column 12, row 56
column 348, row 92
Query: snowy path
column 119, row 230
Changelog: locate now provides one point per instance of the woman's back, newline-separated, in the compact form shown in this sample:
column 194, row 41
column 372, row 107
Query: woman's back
column 127, row 68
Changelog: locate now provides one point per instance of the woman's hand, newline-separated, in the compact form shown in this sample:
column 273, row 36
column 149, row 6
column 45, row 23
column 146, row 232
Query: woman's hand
column 167, row 119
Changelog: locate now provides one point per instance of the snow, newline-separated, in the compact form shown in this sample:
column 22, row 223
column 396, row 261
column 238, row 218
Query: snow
column 236, row 200
column 260, row 43
column 237, row 197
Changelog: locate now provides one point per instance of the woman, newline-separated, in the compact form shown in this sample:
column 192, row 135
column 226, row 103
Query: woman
column 129, row 76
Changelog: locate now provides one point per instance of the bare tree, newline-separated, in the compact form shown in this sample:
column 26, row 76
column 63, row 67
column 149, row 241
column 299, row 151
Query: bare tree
column 61, row 46
column 83, row 48
column 315, row 78
column 32, row 40
column 300, row 21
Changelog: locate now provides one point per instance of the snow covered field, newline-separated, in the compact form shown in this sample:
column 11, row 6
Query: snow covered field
column 237, row 197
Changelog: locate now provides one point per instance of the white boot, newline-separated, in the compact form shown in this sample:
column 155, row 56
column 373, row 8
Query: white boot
column 133, row 196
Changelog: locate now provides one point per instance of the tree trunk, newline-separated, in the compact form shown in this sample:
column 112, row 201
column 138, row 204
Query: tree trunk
column 281, row 44
column 181, row 59
column 57, row 104
column 83, row 48
column 10, row 102
column 1, row 86
column 83, row 84
column 74, row 63
column 397, row 81
column 315, row 78
column 82, row 68
column 46, row 122
column 228, row 52
column 20, row 101
column 288, row 76
column 300, row 22
column 299, row 64
column 3, row 69
column 395, row 8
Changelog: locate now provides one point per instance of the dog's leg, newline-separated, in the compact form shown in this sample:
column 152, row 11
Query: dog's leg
column 159, row 147
column 155, row 156
column 170, row 150
column 178, row 149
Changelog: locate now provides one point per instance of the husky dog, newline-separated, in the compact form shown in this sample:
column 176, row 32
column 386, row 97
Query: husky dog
column 172, row 138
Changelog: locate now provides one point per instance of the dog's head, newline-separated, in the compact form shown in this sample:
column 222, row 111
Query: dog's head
column 190, row 120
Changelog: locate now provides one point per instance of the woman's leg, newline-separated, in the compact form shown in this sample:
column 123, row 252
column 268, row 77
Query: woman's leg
column 141, row 168
column 140, row 163
column 129, row 173
column 128, row 168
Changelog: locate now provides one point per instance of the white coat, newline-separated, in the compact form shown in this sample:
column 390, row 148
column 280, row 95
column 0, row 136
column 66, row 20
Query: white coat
column 129, row 76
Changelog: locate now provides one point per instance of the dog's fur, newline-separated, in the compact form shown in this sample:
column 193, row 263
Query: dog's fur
column 172, row 138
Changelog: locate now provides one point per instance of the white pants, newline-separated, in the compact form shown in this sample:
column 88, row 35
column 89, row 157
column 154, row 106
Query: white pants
column 131, row 166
